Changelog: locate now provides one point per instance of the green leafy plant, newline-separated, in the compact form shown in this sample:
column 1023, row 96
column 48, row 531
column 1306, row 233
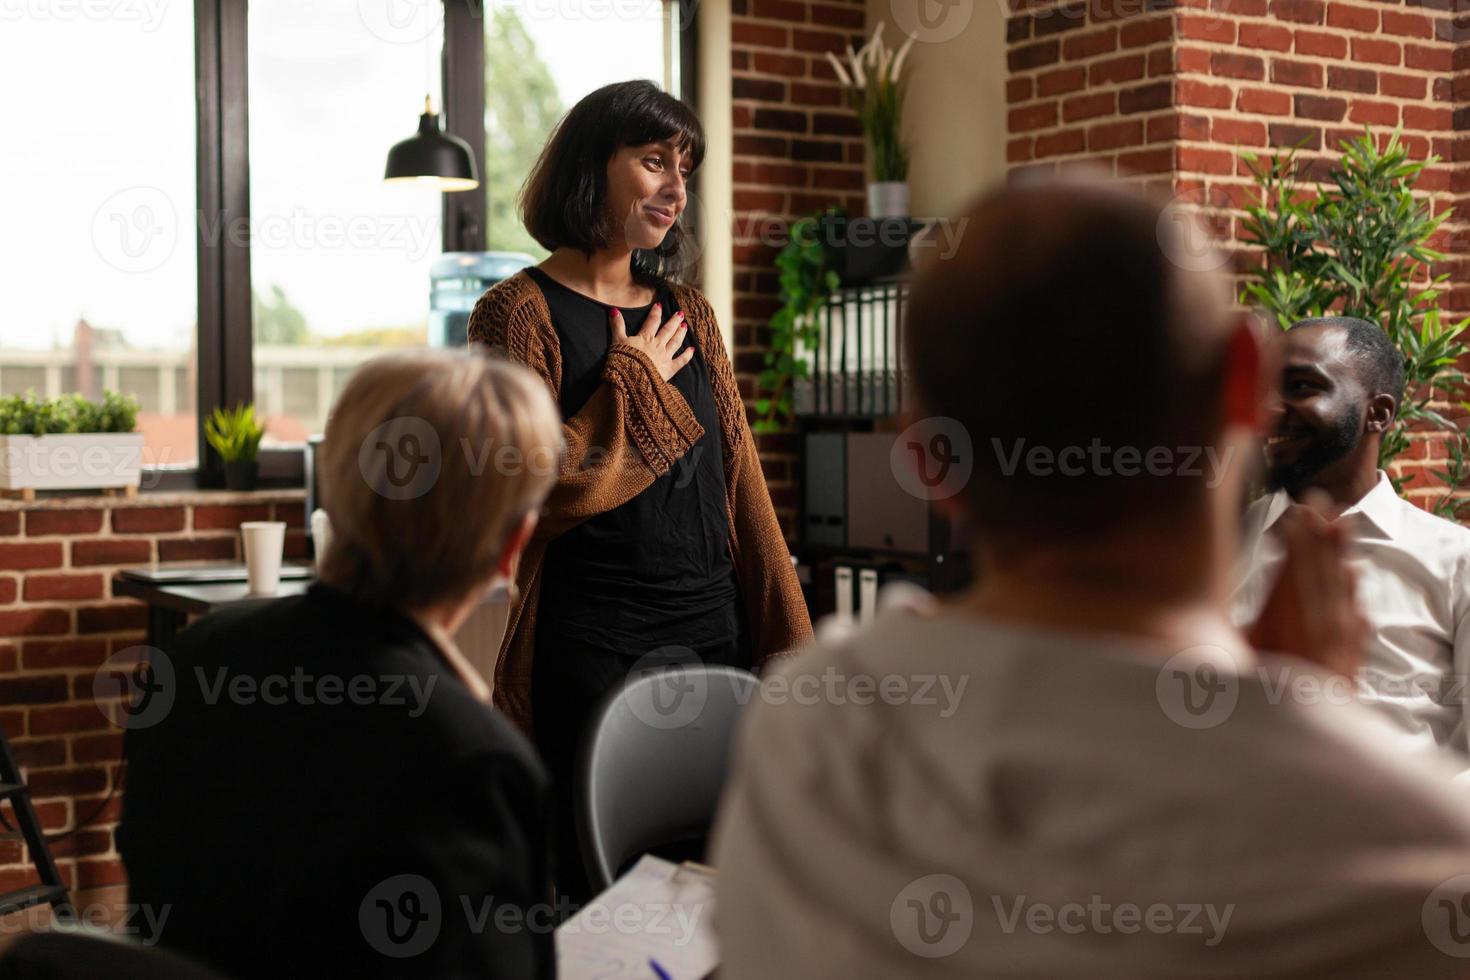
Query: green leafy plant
column 873, row 81
column 234, row 433
column 806, row 282
column 67, row 414
column 1359, row 246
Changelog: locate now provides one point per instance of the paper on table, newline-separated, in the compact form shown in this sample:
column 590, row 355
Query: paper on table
column 657, row 911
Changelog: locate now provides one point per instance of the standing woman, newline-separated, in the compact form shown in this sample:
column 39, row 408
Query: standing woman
column 658, row 543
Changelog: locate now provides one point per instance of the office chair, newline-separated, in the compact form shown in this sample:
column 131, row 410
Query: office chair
column 654, row 763
column 80, row 953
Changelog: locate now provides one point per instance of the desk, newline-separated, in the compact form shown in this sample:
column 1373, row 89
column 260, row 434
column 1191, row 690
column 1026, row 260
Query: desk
column 172, row 600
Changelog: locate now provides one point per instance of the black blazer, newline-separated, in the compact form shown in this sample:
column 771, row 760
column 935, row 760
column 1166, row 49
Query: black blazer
column 324, row 797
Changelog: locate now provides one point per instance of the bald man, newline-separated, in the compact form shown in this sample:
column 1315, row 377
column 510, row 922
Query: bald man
column 1079, row 768
column 1341, row 386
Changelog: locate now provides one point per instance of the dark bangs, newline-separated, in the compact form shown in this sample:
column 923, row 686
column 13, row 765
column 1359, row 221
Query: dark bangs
column 563, row 202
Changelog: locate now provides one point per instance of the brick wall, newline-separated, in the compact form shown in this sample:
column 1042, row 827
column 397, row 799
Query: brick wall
column 1175, row 93
column 59, row 622
column 797, row 149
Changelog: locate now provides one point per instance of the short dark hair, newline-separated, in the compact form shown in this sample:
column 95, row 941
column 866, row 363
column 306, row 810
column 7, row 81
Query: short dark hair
column 1380, row 363
column 564, row 200
column 1068, row 316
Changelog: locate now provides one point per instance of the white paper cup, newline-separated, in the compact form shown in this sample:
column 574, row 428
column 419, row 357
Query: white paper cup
column 265, row 544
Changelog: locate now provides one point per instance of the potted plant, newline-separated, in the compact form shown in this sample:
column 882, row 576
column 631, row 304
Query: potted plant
column 235, row 435
column 69, row 443
column 873, row 81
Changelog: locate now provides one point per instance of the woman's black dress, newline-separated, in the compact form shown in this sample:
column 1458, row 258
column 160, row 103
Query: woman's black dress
column 650, row 582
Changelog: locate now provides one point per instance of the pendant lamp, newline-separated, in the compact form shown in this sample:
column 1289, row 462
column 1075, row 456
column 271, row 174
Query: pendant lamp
column 432, row 157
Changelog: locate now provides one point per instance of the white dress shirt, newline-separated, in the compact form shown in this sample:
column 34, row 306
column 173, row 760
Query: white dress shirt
column 1414, row 588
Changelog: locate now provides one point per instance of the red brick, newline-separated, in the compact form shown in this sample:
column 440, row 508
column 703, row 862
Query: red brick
column 1019, row 150
column 1402, row 86
column 1269, row 37
column 33, row 689
column 1194, row 159
column 1290, row 135
column 1321, row 45
column 1216, row 30
column 1156, row 160
column 1407, row 25
column 1237, row 131
column 1061, row 81
column 85, row 781
column 1047, row 21
column 1032, row 117
column 30, row 554
column 1299, row 11
column 827, row 95
column 785, row 120
column 1089, row 106
column 111, row 551
column 786, row 10
column 8, row 589
column 9, row 523
column 145, row 520
column 1191, row 61
column 1090, row 45
column 766, row 35
column 1111, row 136
column 1203, row 95
column 67, row 719
column 97, row 748
column 1125, row 69
column 772, row 63
column 196, row 549
column 1061, row 143
column 1376, row 51
column 1428, row 59
column 1160, row 62
column 1141, row 33
column 1326, row 109
column 1300, row 73
column 1352, row 79
column 38, row 753
column 114, row 618
column 1263, row 101
column 1145, row 98
column 1420, row 117
column 54, row 654
column 14, row 723
column 208, row 518
column 40, row 588
column 1352, row 18
column 1017, row 89
column 43, row 522
column 1228, row 64
column 34, row 622
column 1373, row 113
column 1033, row 56
column 97, row 874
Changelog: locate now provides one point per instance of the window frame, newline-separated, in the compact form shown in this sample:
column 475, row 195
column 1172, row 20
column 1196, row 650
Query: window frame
column 225, row 342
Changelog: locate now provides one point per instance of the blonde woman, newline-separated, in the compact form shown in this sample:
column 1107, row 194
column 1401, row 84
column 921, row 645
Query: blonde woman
column 659, row 543
column 331, row 782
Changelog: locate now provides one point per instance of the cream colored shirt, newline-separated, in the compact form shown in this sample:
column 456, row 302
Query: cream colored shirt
column 1414, row 588
column 940, row 796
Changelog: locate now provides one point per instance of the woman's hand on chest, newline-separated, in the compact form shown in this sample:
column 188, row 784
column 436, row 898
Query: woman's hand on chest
column 660, row 345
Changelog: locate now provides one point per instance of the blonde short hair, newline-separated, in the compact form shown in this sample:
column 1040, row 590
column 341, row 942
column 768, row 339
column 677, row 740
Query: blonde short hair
column 431, row 460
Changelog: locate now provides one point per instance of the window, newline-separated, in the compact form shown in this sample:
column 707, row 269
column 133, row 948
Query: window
column 541, row 56
column 339, row 261
column 99, row 200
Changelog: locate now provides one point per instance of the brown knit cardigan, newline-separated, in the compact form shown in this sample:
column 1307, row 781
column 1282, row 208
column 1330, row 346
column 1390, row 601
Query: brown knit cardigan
column 633, row 429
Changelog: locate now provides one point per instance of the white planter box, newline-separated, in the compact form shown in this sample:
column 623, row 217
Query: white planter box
column 82, row 461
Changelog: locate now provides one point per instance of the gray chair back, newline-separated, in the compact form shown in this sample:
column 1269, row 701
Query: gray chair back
column 654, row 763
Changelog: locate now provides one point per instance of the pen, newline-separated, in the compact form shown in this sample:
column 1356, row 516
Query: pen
column 659, row 971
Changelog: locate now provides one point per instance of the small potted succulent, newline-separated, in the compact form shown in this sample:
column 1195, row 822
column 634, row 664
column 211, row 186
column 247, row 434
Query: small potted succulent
column 69, row 443
column 235, row 435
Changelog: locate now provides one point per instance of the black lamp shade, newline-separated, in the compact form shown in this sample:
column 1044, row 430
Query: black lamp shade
column 431, row 156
